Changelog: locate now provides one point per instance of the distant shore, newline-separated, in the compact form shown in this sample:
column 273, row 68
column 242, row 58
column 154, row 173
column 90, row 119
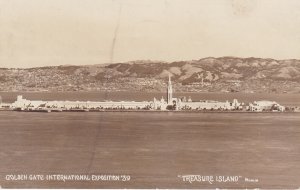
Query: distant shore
column 286, row 99
column 152, row 111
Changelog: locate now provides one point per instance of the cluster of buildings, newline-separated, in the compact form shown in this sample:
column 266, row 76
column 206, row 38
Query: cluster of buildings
column 171, row 103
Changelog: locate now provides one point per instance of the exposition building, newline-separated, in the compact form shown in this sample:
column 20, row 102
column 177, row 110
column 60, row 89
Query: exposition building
column 171, row 103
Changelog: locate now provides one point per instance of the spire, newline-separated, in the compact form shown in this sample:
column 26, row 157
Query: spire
column 169, row 91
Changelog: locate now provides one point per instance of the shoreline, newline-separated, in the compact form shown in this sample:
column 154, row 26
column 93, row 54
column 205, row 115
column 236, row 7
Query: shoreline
column 148, row 111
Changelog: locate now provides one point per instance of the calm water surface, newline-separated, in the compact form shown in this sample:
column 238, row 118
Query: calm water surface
column 152, row 147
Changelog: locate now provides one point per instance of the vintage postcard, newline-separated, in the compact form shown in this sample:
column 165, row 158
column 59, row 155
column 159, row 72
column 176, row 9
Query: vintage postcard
column 150, row 94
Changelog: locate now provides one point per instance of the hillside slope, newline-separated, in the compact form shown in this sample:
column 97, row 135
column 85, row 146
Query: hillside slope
column 230, row 74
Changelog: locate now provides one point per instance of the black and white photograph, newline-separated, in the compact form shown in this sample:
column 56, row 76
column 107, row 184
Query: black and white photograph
column 150, row 94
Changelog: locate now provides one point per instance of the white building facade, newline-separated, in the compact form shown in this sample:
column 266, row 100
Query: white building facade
column 170, row 104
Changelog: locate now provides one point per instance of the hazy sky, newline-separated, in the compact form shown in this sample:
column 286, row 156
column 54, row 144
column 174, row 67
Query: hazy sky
column 58, row 32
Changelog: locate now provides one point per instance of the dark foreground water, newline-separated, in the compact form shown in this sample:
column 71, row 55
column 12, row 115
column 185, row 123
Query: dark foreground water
column 152, row 147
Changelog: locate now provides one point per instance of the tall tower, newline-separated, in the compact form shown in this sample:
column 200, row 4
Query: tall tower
column 170, row 91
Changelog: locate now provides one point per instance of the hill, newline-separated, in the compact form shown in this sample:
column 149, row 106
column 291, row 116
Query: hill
column 228, row 74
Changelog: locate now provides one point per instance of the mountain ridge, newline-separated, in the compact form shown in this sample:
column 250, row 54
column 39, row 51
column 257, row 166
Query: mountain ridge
column 227, row 73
